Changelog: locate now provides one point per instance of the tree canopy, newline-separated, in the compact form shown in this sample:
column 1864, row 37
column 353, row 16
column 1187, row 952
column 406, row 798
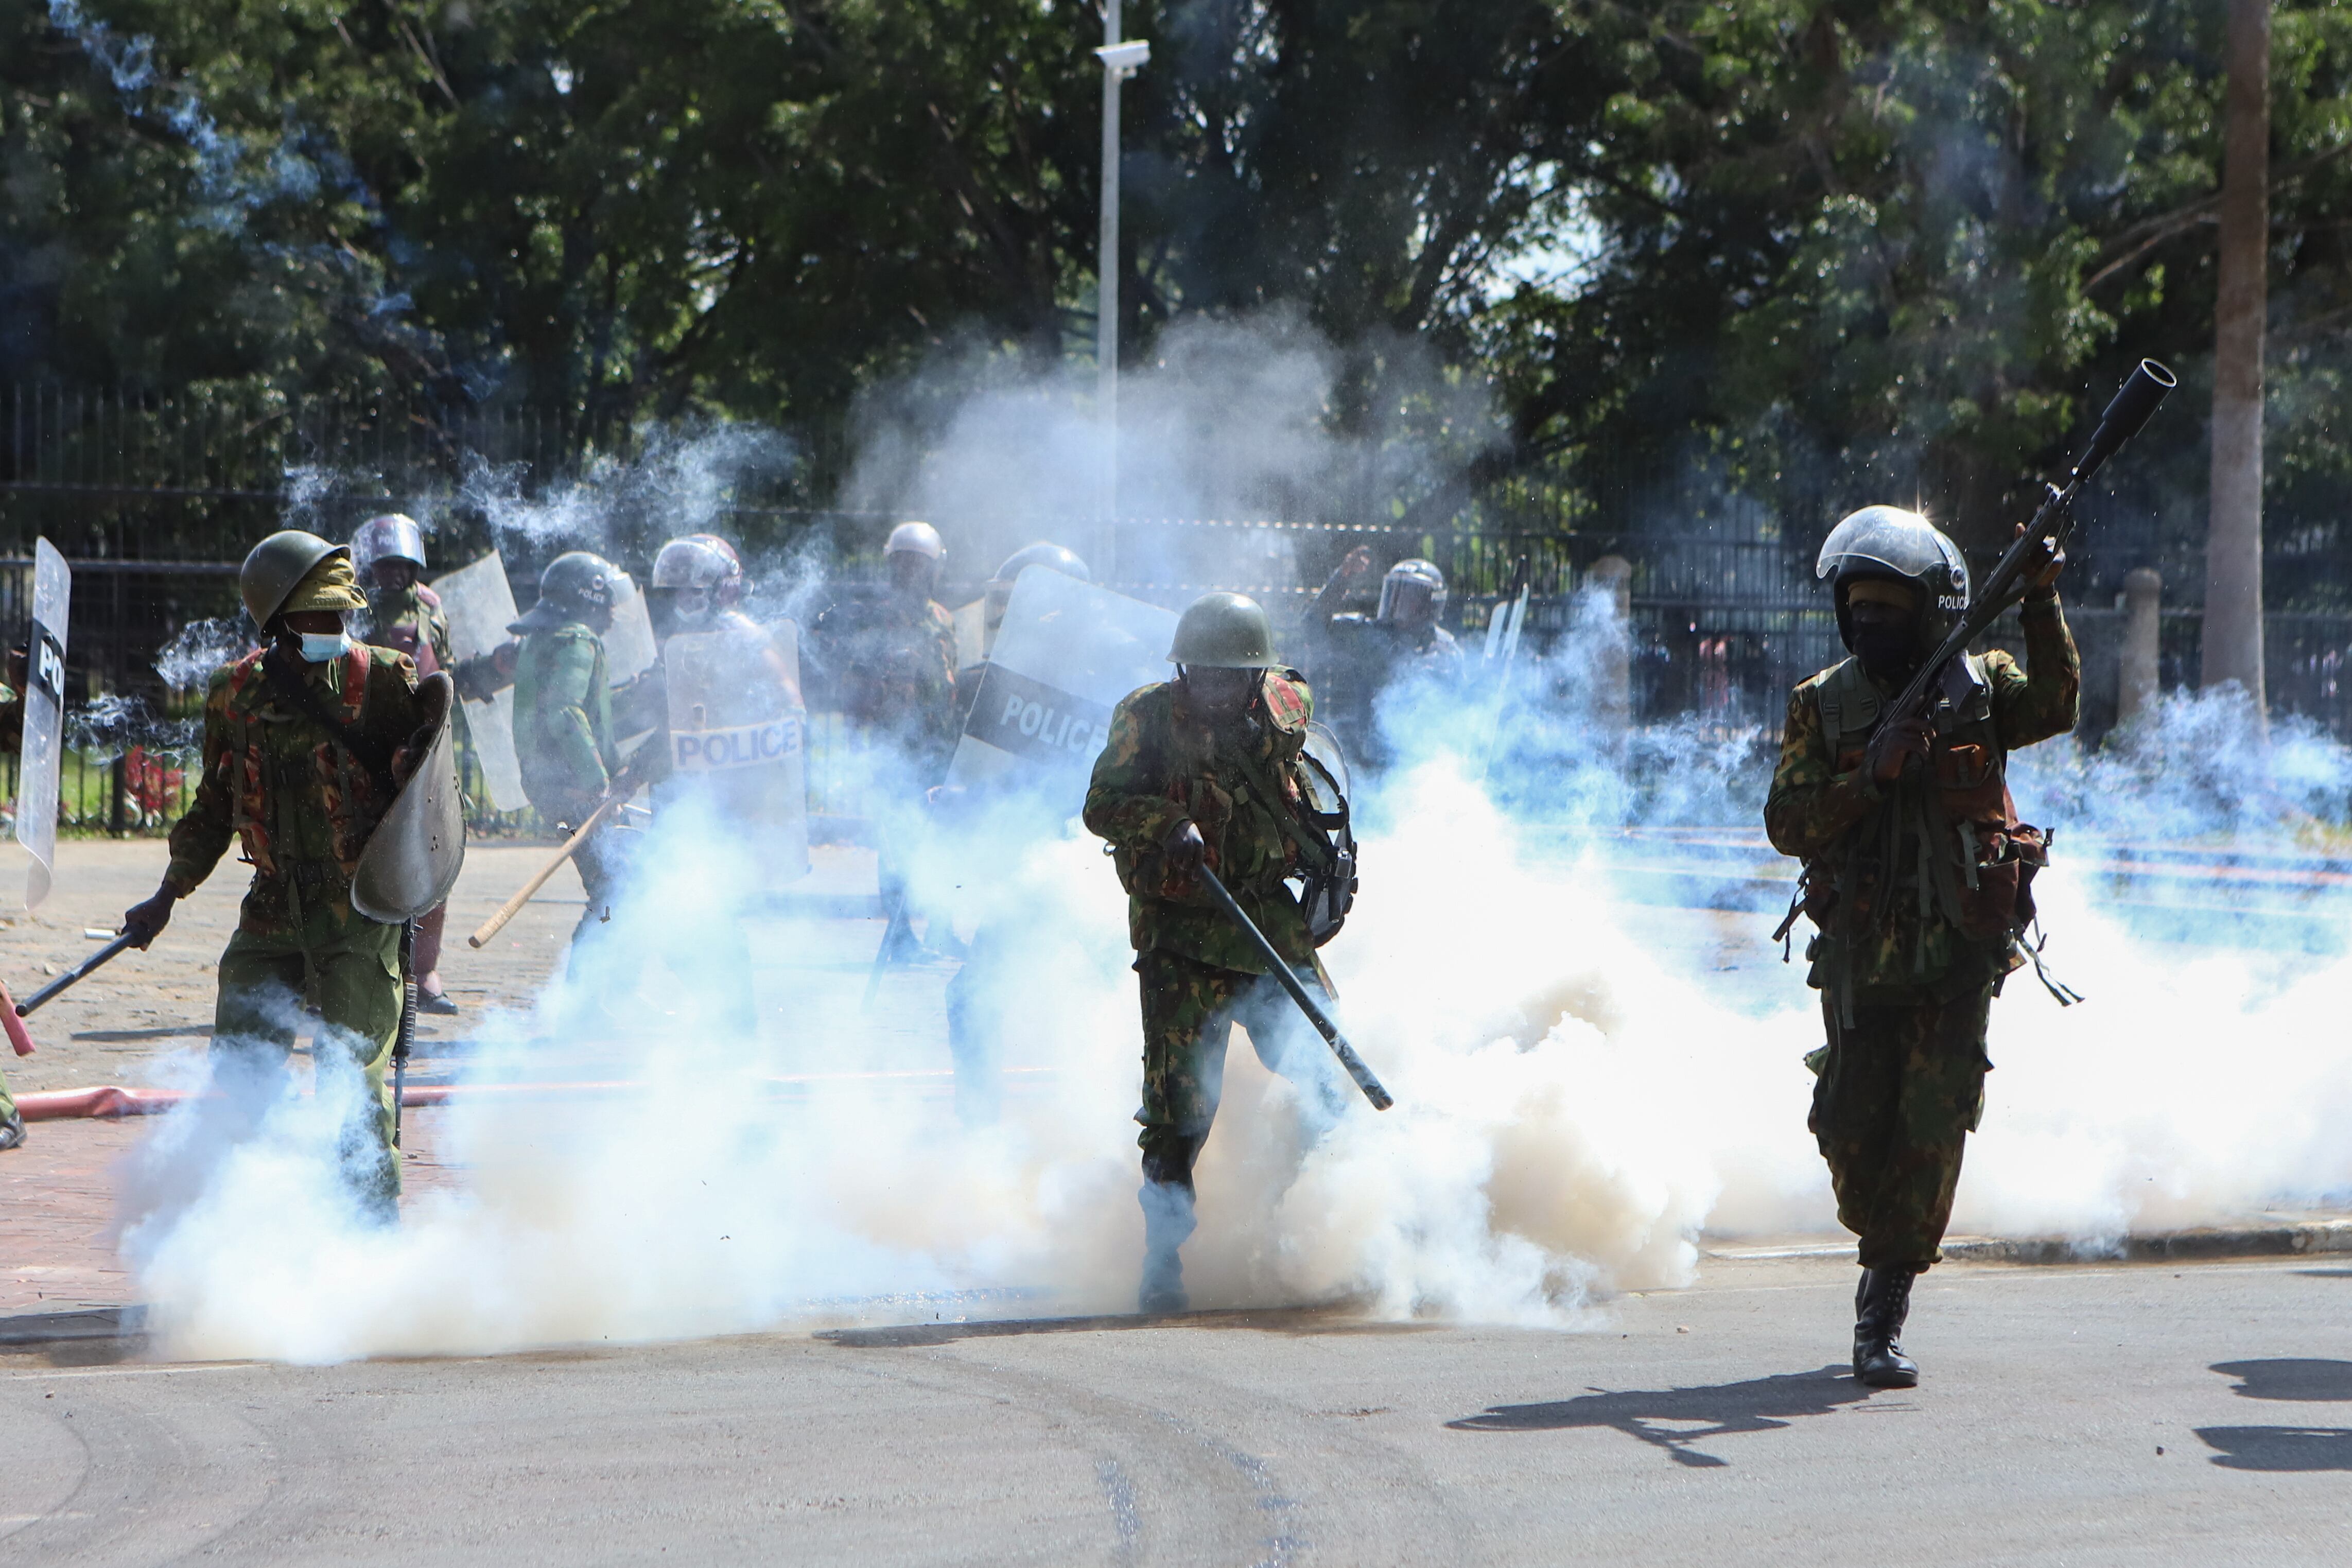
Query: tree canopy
column 1823, row 246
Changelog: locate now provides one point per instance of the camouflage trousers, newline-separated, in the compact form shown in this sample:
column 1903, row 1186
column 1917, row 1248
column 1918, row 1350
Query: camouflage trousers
column 353, row 975
column 1899, row 1091
column 7, row 1100
column 1189, row 1010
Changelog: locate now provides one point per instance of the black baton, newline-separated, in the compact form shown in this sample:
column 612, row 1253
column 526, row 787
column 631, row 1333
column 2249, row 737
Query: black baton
column 78, row 973
column 1297, row 989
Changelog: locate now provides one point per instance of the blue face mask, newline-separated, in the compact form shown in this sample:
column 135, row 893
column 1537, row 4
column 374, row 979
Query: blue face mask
column 319, row 647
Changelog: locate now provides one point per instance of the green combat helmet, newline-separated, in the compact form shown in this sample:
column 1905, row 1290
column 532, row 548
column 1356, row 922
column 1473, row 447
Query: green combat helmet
column 276, row 566
column 1223, row 631
column 577, row 582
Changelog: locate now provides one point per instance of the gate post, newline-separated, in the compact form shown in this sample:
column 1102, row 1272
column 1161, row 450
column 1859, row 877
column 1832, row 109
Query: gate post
column 1613, row 671
column 2139, row 679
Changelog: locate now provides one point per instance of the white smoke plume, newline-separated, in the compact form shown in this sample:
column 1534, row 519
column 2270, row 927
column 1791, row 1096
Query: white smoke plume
column 1578, row 1099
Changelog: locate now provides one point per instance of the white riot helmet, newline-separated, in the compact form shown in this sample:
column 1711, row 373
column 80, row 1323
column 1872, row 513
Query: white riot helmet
column 699, row 561
column 1410, row 575
column 916, row 539
column 698, row 576
column 1890, row 543
column 394, row 536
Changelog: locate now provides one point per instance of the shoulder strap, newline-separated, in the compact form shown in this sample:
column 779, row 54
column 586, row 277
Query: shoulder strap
column 288, row 683
column 1847, row 701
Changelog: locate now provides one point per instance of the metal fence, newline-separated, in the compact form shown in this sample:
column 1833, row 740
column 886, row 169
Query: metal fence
column 153, row 497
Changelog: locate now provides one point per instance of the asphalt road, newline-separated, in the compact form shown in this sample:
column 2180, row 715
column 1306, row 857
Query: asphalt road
column 2082, row 1415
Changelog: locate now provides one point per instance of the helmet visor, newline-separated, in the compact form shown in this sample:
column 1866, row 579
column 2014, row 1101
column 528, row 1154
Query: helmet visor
column 1901, row 543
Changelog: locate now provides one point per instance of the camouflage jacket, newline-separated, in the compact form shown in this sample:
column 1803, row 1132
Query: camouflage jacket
column 563, row 720
column 1237, row 783
column 411, row 621
column 901, row 679
column 277, row 779
column 1903, row 908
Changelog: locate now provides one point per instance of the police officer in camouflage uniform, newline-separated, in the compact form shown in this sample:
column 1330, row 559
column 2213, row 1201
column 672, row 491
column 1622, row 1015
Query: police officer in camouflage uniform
column 1917, row 876
column 306, row 740
column 892, row 664
column 1202, row 770
column 563, row 718
column 404, row 615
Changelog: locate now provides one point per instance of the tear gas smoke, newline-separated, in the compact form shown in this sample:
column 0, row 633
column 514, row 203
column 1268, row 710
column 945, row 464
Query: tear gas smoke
column 109, row 726
column 1579, row 1091
column 187, row 662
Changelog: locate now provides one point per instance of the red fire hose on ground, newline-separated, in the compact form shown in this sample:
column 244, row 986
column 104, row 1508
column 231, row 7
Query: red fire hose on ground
column 110, row 1102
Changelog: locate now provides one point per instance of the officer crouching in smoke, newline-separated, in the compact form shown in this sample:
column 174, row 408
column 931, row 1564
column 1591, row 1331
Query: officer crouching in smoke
column 307, row 740
column 1202, row 770
column 1917, row 875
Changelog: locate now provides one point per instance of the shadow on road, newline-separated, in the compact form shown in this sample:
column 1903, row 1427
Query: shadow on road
column 161, row 1031
column 2289, row 1379
column 1302, row 1321
column 1676, row 1419
column 2279, row 1447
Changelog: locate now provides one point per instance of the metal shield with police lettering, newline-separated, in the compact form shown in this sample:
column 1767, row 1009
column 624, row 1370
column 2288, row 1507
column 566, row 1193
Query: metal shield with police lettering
column 480, row 603
column 1066, row 654
column 738, row 735
column 413, row 858
column 43, row 748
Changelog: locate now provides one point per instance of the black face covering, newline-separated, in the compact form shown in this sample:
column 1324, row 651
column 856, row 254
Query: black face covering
column 1887, row 651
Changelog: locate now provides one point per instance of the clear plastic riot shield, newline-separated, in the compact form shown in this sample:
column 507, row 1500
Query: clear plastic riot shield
column 43, row 748
column 1065, row 655
column 480, row 603
column 738, row 736
column 971, row 634
column 630, row 650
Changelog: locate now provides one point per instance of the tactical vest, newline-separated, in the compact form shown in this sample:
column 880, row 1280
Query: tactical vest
column 1252, row 848
column 1949, row 846
column 257, row 788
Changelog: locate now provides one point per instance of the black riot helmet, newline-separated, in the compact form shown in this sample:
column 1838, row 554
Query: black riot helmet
column 1889, row 544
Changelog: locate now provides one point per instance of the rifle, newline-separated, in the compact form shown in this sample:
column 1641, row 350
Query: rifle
column 1290, row 981
column 406, row 1040
column 2043, row 537
column 896, row 932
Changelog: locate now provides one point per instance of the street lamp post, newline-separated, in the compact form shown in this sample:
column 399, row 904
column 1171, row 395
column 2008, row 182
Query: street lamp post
column 1119, row 61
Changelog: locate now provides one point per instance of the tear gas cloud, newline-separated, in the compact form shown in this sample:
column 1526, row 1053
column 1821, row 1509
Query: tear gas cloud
column 1580, row 1089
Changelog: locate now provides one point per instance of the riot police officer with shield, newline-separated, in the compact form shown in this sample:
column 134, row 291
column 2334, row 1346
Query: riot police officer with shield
column 1356, row 658
column 563, row 718
column 307, row 740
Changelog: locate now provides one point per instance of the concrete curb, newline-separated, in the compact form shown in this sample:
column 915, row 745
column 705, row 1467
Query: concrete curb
column 2285, row 1240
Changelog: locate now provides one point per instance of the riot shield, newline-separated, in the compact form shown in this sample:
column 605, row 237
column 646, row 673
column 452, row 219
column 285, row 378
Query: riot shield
column 737, row 738
column 480, row 603
column 971, row 633
column 1065, row 655
column 630, row 650
column 43, row 748
column 413, row 858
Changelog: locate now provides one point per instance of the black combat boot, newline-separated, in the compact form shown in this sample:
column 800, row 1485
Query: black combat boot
column 12, row 1131
column 1167, row 1222
column 1881, row 1303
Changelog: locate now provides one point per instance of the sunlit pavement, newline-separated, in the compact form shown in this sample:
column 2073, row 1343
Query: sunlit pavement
column 2078, row 1416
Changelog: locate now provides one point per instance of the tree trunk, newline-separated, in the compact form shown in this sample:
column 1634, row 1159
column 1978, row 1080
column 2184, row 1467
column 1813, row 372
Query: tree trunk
column 2234, row 540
